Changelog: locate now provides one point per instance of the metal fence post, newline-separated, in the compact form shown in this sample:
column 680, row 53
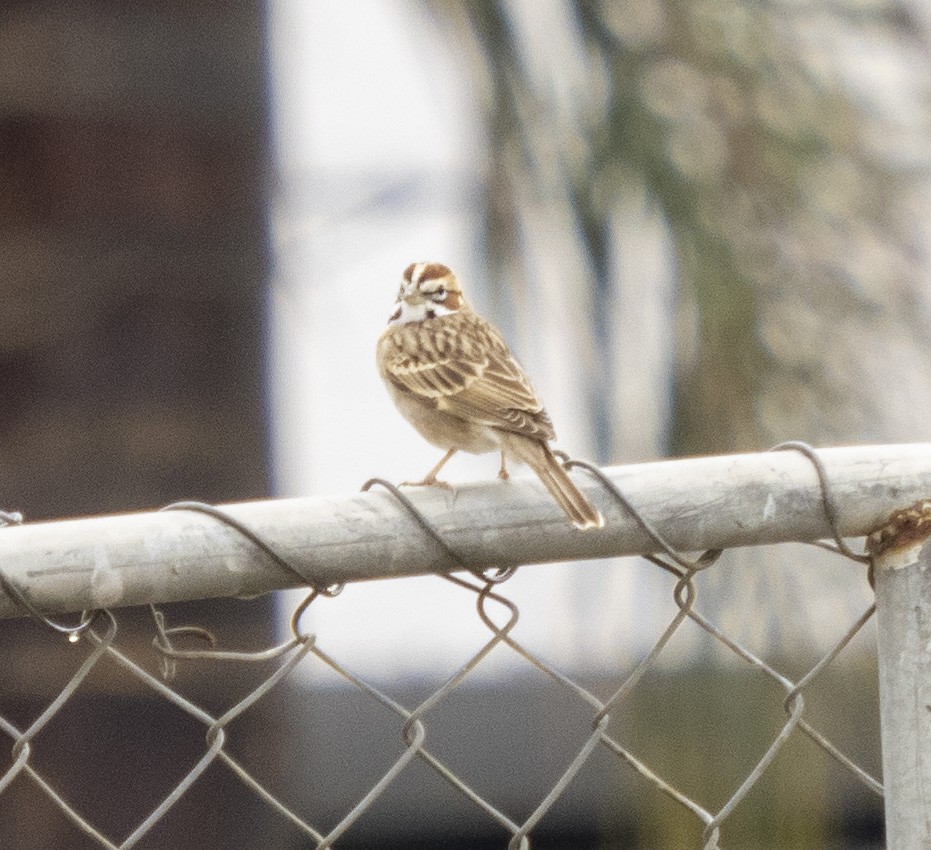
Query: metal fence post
column 903, row 602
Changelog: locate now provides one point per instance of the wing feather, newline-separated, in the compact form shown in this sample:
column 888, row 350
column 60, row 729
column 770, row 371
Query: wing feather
column 463, row 365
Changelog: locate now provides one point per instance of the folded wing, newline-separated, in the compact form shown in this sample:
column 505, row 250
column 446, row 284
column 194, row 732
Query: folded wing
column 466, row 369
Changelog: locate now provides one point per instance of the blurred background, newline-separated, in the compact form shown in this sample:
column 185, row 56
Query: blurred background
column 703, row 225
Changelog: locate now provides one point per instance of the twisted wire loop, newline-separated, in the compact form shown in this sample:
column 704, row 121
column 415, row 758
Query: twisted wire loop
column 500, row 616
column 162, row 641
column 12, row 590
column 256, row 539
column 827, row 499
column 494, row 575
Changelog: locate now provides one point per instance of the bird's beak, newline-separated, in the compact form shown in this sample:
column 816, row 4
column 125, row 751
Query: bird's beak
column 414, row 297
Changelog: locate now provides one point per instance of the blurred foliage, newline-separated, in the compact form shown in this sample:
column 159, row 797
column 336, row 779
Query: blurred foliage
column 785, row 144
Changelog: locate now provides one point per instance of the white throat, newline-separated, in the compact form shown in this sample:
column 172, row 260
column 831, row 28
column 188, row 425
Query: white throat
column 405, row 313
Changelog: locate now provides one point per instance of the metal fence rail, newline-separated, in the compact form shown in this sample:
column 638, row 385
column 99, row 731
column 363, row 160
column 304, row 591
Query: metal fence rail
column 473, row 537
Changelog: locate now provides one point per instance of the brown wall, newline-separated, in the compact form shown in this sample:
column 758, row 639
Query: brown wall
column 132, row 254
column 133, row 268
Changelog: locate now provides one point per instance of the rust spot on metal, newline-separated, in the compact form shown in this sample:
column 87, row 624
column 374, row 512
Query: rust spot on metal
column 906, row 528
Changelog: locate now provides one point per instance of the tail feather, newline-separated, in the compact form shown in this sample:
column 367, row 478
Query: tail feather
column 537, row 455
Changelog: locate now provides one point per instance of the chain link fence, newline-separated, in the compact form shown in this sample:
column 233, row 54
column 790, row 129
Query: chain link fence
column 486, row 591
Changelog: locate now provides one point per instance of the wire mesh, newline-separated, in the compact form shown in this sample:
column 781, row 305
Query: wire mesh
column 499, row 615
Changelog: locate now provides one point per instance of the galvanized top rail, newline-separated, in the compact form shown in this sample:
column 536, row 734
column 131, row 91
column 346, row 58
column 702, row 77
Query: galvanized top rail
column 695, row 503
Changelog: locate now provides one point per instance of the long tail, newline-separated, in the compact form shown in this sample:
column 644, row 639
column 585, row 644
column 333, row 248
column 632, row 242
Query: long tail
column 540, row 459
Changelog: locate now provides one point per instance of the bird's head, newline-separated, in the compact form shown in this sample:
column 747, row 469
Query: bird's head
column 428, row 291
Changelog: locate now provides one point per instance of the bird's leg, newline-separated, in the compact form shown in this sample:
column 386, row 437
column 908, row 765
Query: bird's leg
column 503, row 472
column 430, row 478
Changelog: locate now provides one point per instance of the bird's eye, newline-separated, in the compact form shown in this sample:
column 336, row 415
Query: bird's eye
column 439, row 295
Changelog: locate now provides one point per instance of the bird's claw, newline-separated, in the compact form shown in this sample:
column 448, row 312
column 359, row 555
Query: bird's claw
column 428, row 482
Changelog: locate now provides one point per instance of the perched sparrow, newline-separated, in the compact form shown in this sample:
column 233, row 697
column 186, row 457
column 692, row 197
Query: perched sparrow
column 454, row 379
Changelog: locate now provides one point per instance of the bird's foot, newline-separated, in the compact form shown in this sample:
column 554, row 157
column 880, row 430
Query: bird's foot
column 429, row 481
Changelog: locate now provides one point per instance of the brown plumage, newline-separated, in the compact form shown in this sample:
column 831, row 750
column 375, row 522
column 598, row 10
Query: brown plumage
column 452, row 376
